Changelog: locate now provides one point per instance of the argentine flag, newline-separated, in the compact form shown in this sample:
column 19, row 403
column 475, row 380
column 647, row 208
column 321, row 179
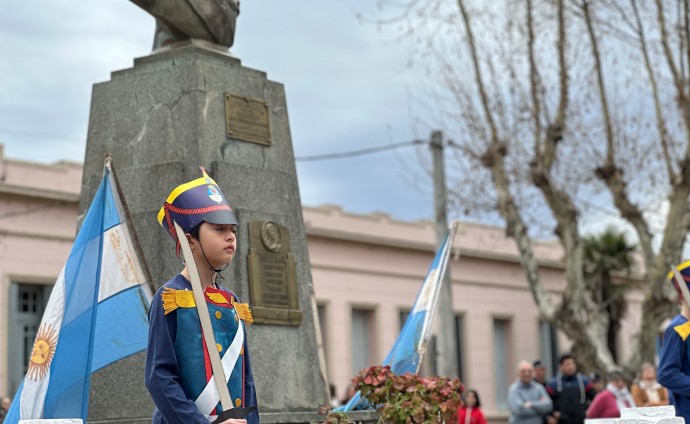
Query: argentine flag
column 96, row 315
column 408, row 350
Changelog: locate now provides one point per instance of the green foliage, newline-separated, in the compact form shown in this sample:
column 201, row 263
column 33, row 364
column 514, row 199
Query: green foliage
column 603, row 255
column 607, row 253
column 409, row 398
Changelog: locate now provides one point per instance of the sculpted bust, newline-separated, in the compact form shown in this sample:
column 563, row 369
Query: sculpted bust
column 180, row 20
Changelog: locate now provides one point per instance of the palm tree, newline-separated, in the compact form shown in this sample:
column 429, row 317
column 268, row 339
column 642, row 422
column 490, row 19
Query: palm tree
column 604, row 255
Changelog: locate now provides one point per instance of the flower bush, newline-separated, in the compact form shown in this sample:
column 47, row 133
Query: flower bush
column 408, row 398
column 337, row 418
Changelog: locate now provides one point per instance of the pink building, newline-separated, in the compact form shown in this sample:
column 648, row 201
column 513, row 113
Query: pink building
column 38, row 211
column 366, row 270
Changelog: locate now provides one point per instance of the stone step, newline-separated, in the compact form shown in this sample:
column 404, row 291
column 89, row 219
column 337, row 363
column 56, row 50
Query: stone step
column 644, row 415
column 59, row 421
column 649, row 412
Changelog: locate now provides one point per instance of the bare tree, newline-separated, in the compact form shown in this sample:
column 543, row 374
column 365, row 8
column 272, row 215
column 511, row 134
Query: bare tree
column 559, row 106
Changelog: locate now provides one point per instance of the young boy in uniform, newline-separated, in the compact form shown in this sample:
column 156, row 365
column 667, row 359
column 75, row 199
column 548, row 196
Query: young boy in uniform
column 178, row 368
column 674, row 364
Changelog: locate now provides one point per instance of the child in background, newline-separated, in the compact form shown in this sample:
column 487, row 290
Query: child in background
column 471, row 411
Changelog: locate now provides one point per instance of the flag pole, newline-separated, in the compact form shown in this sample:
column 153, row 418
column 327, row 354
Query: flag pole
column 94, row 309
column 408, row 350
column 429, row 318
column 123, row 208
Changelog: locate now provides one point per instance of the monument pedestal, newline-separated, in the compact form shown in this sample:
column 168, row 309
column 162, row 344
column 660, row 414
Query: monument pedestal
column 162, row 119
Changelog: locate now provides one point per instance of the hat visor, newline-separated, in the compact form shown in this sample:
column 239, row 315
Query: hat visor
column 220, row 217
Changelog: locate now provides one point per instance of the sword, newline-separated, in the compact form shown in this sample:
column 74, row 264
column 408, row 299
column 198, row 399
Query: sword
column 682, row 285
column 229, row 411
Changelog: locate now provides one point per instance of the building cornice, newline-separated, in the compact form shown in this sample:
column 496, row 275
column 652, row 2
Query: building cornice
column 39, row 193
column 398, row 243
column 39, row 236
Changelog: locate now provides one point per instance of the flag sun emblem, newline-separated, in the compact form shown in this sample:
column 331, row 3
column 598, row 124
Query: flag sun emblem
column 214, row 194
column 42, row 352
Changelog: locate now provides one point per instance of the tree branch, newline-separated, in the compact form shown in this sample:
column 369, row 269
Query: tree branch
column 664, row 43
column 610, row 149
column 494, row 160
column 610, row 173
column 478, row 73
column 534, row 81
column 558, row 201
column 660, row 123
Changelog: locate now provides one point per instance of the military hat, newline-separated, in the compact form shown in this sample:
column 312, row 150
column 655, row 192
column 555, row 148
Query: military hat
column 192, row 203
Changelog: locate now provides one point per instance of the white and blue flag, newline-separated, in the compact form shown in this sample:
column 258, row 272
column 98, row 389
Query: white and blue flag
column 96, row 315
column 408, row 351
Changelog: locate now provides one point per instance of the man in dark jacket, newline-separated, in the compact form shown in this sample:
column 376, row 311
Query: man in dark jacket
column 571, row 393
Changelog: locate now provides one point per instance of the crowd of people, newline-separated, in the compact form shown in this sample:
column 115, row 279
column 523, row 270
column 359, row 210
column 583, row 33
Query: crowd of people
column 570, row 396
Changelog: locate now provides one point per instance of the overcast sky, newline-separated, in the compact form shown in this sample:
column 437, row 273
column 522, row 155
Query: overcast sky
column 346, row 84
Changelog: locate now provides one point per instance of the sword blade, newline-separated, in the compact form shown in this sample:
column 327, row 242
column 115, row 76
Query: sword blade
column 204, row 317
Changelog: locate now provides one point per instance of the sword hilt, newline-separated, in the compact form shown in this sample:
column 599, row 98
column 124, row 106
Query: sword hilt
column 234, row 413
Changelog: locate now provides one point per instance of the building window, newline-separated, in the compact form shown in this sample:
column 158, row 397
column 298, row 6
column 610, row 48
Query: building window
column 548, row 347
column 323, row 327
column 402, row 317
column 362, row 339
column 460, row 343
column 27, row 303
column 502, row 361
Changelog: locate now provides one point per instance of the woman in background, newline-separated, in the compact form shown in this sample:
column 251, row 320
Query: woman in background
column 646, row 391
column 610, row 402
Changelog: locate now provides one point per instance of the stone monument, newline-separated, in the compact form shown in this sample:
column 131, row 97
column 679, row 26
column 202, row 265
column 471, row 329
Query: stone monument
column 176, row 110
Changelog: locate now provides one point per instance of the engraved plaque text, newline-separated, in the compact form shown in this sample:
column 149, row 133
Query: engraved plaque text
column 246, row 119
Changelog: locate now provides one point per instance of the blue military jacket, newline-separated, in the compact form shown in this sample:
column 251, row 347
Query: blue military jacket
column 178, row 370
column 674, row 365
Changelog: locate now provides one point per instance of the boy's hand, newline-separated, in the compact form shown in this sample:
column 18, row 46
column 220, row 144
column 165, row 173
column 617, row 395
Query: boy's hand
column 235, row 421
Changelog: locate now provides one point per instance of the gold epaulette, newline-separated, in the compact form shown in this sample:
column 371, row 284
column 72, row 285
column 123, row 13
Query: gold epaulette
column 243, row 312
column 683, row 330
column 173, row 299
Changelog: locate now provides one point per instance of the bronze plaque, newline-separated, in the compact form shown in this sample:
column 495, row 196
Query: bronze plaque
column 272, row 275
column 246, row 119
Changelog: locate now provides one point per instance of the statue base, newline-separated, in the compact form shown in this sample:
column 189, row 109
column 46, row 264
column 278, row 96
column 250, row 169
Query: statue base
column 194, row 106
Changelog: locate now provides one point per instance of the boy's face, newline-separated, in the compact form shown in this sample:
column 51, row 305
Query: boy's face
column 218, row 242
